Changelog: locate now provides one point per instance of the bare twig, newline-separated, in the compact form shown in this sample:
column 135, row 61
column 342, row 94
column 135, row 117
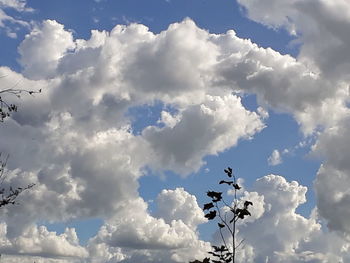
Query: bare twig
column 7, row 108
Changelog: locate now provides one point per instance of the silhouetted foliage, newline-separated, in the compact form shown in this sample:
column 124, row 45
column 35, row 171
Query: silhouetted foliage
column 6, row 108
column 8, row 196
column 238, row 210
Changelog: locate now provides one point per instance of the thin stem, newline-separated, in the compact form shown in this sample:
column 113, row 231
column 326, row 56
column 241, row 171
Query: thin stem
column 222, row 220
column 222, row 237
column 2, row 168
column 234, row 223
column 240, row 243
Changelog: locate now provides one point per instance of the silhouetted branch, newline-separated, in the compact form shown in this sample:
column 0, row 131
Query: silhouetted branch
column 7, row 108
column 225, row 254
column 8, row 196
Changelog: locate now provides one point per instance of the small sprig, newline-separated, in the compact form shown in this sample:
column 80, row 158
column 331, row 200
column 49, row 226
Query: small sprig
column 6, row 109
column 238, row 209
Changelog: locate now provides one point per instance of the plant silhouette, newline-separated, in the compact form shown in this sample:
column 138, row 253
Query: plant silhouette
column 228, row 216
column 8, row 195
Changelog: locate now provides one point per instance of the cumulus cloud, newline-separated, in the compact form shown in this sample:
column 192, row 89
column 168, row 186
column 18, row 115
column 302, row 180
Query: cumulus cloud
column 144, row 238
column 275, row 158
column 321, row 29
column 203, row 129
column 280, row 82
column 179, row 205
column 332, row 181
column 42, row 49
column 38, row 241
column 76, row 141
column 277, row 233
column 320, row 26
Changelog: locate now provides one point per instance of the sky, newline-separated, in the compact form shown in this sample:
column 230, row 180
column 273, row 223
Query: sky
column 143, row 105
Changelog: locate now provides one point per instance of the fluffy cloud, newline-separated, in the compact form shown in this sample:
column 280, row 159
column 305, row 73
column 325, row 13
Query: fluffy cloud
column 280, row 81
column 275, row 158
column 332, row 181
column 43, row 48
column 38, row 241
column 277, row 233
column 179, row 205
column 144, row 238
column 321, row 29
column 203, row 129
column 76, row 141
column 320, row 26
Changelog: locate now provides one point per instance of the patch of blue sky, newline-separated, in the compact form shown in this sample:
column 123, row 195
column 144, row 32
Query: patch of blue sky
column 147, row 115
column 85, row 229
column 8, row 52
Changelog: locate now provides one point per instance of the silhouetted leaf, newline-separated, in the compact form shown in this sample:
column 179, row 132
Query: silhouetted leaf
column 220, row 249
column 226, row 182
column 216, row 196
column 236, row 186
column 247, row 203
column 211, row 215
column 242, row 213
column 221, row 225
column 208, row 206
column 228, row 171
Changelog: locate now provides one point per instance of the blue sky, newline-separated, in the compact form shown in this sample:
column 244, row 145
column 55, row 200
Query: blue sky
column 144, row 104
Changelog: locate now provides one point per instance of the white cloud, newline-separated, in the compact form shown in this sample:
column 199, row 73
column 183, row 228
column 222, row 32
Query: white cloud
column 19, row 5
column 42, row 49
column 7, row 21
column 321, row 29
column 275, row 158
column 277, row 233
column 75, row 141
column 143, row 238
column 262, row 112
column 179, row 205
column 320, row 26
column 332, row 182
column 38, row 241
column 280, row 82
column 208, row 128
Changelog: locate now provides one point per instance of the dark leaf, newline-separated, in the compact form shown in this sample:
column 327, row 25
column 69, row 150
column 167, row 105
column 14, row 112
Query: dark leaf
column 242, row 213
column 211, row 215
column 221, row 225
column 216, row 196
column 236, row 186
column 228, row 171
column 247, row 203
column 220, row 249
column 208, row 206
column 226, row 182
